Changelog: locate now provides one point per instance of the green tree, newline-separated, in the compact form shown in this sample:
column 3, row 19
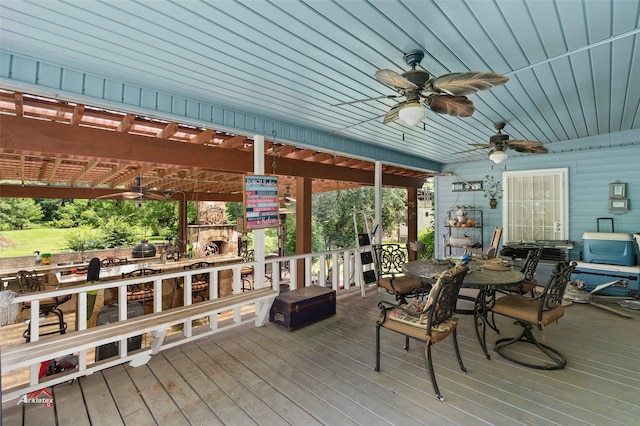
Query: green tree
column 49, row 207
column 317, row 243
column 84, row 238
column 234, row 211
column 117, row 232
column 334, row 211
column 17, row 213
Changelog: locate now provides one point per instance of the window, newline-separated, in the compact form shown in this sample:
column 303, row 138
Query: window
column 535, row 205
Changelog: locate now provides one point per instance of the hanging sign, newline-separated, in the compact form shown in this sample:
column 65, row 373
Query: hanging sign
column 261, row 202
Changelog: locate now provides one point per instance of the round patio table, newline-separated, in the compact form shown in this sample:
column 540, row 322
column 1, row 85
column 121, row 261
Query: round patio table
column 485, row 280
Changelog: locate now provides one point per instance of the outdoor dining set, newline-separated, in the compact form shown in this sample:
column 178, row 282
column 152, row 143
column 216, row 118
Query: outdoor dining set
column 427, row 303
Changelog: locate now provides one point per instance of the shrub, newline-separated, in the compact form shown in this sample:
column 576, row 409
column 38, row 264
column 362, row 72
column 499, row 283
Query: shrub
column 116, row 232
column 428, row 238
column 84, row 239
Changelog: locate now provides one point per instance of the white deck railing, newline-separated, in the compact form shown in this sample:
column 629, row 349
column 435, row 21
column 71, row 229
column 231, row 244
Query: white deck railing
column 316, row 271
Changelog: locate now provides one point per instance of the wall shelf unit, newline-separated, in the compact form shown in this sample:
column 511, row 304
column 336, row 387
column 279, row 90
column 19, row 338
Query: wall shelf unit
column 464, row 226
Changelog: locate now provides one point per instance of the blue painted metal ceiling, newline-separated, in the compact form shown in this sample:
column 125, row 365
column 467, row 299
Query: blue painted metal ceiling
column 571, row 64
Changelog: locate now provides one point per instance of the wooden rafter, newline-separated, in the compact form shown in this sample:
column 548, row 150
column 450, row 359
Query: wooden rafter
column 54, row 150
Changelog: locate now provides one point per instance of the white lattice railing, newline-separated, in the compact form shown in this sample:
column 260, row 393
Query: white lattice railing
column 316, row 271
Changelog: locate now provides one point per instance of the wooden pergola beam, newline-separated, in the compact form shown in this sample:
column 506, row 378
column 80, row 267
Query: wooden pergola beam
column 42, row 191
column 27, row 136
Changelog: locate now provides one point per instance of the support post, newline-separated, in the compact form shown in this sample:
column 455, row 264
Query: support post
column 303, row 224
column 258, row 234
column 378, row 202
column 412, row 220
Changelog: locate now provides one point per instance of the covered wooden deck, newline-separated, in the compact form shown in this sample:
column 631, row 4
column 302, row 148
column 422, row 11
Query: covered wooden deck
column 323, row 374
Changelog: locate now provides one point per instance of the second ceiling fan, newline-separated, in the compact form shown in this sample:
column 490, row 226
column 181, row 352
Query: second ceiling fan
column 138, row 192
column 446, row 94
column 500, row 142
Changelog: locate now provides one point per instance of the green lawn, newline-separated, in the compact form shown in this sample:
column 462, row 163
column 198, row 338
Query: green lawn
column 25, row 242
column 45, row 240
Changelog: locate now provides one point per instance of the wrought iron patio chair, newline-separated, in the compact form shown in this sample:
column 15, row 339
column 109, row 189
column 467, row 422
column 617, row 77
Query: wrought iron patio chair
column 199, row 281
column 246, row 272
column 388, row 262
column 428, row 321
column 142, row 292
column 110, row 262
column 29, row 282
column 529, row 270
column 538, row 312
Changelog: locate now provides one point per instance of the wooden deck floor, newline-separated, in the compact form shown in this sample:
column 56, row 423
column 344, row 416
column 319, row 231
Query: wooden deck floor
column 323, row 374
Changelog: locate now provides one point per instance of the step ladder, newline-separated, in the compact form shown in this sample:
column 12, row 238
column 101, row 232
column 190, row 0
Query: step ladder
column 365, row 255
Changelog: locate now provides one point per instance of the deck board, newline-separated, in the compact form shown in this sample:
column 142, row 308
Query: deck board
column 130, row 404
column 323, row 374
column 156, row 397
column 69, row 408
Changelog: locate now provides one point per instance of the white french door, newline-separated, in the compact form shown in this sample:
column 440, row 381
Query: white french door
column 535, row 205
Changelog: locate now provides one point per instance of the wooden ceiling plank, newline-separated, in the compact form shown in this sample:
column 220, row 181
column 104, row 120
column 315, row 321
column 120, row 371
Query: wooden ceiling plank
column 78, row 113
column 44, row 166
column 302, row 154
column 204, row 137
column 111, row 173
column 233, row 142
column 54, row 169
column 86, row 169
column 168, row 131
column 41, row 191
column 22, row 158
column 321, row 157
column 19, row 106
column 127, row 123
column 25, row 135
column 130, row 177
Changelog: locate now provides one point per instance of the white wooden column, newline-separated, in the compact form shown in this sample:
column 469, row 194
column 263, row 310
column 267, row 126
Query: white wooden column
column 378, row 201
column 258, row 234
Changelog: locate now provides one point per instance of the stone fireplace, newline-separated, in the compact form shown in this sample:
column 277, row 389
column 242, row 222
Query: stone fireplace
column 210, row 240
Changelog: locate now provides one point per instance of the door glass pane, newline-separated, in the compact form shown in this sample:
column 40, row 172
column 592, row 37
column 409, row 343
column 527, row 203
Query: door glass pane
column 535, row 206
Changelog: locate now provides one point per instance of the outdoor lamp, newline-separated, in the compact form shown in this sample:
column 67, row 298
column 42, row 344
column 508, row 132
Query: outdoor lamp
column 288, row 197
column 412, row 113
column 498, row 156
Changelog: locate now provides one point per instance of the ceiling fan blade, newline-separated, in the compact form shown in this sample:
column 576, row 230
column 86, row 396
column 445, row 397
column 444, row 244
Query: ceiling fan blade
column 394, row 113
column 129, row 195
column 466, row 83
column 457, row 106
column 531, row 147
column 151, row 196
column 366, row 100
column 393, row 79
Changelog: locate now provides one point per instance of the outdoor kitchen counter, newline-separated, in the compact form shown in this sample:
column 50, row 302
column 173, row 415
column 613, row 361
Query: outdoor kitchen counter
column 172, row 293
column 116, row 272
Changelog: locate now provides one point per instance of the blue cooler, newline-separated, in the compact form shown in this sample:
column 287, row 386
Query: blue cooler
column 612, row 248
column 594, row 274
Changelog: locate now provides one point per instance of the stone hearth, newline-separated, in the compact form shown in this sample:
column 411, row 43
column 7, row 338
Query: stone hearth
column 213, row 239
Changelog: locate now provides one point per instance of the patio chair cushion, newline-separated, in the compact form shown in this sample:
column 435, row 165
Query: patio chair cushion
column 527, row 310
column 199, row 285
column 140, row 294
column 401, row 284
column 525, row 287
column 422, row 307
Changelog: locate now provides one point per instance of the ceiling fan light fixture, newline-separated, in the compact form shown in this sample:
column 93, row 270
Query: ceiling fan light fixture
column 412, row 113
column 498, row 156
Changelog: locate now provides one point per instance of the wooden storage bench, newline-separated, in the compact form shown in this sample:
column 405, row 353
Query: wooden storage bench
column 297, row 308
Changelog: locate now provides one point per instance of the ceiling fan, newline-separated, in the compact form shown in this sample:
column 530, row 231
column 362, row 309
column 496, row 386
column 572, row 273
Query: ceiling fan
column 445, row 94
column 500, row 142
column 137, row 192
